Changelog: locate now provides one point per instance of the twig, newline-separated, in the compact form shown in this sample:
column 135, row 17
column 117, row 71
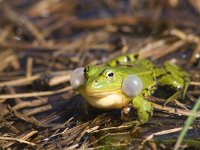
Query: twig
column 31, row 133
column 14, row 16
column 169, row 49
column 114, row 128
column 4, row 34
column 30, row 120
column 175, row 110
column 195, row 83
column 21, row 81
column 55, row 79
column 15, row 139
column 29, row 68
column 34, row 94
column 38, row 110
column 163, row 133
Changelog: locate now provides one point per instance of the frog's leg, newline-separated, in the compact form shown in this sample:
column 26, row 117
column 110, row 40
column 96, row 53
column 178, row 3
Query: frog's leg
column 144, row 112
column 124, row 59
column 144, row 109
column 174, row 77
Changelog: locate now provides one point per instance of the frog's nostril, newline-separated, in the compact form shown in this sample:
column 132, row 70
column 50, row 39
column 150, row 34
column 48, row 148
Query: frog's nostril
column 95, row 81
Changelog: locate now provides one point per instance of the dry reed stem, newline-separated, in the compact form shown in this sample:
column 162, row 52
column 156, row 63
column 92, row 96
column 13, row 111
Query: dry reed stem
column 18, row 140
column 14, row 16
column 163, row 133
column 61, row 35
column 34, row 94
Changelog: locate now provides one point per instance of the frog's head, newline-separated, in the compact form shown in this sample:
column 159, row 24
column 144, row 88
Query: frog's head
column 96, row 79
column 101, row 86
column 101, row 80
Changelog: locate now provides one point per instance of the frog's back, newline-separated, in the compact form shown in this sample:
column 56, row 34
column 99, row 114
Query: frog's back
column 142, row 66
column 144, row 69
column 135, row 64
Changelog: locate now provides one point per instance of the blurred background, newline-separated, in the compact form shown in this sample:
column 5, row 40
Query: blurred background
column 42, row 41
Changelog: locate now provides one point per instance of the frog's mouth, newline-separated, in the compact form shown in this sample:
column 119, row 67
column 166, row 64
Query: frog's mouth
column 113, row 99
column 101, row 93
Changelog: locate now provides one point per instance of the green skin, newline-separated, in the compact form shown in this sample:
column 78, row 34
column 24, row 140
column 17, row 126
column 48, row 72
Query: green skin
column 100, row 87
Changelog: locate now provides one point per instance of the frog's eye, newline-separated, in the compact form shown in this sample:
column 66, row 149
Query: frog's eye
column 109, row 74
column 132, row 85
column 77, row 78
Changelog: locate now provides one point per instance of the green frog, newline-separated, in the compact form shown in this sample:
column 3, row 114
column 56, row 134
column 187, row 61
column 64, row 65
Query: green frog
column 128, row 80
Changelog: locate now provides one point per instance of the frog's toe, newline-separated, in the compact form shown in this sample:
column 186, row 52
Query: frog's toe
column 136, row 128
column 176, row 95
column 127, row 113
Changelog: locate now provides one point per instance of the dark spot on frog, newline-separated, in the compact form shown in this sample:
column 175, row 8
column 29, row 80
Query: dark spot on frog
column 128, row 58
column 168, row 72
column 136, row 56
column 160, row 76
column 85, row 70
column 149, row 113
column 117, row 62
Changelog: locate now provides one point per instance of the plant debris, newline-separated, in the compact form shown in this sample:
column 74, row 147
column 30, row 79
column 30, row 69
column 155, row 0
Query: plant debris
column 41, row 42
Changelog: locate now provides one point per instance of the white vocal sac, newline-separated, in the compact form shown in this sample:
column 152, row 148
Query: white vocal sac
column 77, row 78
column 132, row 85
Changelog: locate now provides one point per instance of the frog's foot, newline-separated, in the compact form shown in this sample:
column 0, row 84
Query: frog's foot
column 144, row 109
column 133, row 123
column 176, row 95
column 126, row 112
column 135, row 128
column 174, row 77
